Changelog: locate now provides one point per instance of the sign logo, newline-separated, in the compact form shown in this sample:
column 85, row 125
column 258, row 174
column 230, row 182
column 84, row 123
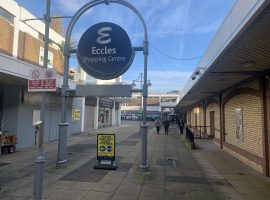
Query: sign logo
column 104, row 35
column 105, row 51
column 35, row 74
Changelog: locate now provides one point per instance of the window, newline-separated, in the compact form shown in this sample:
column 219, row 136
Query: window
column 36, row 116
column 41, row 58
column 40, row 36
column 6, row 15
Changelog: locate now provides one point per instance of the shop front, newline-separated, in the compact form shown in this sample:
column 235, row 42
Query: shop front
column 105, row 112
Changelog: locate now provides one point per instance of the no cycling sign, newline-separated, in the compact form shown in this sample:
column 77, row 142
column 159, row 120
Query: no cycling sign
column 42, row 80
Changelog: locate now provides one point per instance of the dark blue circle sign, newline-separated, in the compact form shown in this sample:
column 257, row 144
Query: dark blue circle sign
column 104, row 51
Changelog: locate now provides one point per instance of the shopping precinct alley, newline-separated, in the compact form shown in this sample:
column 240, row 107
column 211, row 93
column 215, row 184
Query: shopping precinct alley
column 175, row 170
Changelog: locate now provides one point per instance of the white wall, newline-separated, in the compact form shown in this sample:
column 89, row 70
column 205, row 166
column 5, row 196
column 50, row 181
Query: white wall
column 240, row 14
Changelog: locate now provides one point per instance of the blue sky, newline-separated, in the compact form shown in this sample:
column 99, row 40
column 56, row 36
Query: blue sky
column 179, row 29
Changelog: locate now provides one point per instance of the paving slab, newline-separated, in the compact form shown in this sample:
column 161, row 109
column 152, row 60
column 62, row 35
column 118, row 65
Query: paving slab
column 175, row 171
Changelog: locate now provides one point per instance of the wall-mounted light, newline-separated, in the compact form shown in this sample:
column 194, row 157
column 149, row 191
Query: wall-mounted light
column 196, row 110
column 248, row 63
column 222, row 80
column 199, row 71
column 193, row 76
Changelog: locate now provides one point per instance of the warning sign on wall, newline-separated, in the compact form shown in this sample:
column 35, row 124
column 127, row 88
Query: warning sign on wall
column 42, row 80
column 75, row 114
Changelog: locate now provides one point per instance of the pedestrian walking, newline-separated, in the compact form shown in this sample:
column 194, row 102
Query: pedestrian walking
column 181, row 126
column 166, row 125
column 157, row 125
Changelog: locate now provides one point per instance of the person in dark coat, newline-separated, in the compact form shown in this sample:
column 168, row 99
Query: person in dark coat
column 166, row 125
column 181, row 126
column 157, row 125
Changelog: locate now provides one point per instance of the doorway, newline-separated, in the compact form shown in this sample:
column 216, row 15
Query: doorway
column 212, row 123
column 1, row 108
column 196, row 120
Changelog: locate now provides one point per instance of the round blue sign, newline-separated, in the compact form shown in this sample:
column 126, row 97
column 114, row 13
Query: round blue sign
column 104, row 51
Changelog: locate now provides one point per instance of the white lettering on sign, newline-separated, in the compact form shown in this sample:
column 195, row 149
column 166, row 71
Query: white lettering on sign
column 102, row 38
column 103, row 59
column 104, row 50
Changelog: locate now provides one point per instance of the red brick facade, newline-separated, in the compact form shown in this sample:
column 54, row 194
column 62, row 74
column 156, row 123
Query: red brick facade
column 28, row 46
column 6, row 35
column 29, row 49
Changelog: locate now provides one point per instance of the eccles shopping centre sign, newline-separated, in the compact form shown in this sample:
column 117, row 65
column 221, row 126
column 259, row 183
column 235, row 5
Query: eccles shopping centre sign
column 105, row 51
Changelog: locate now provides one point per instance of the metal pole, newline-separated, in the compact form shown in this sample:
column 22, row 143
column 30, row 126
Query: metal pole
column 67, row 49
column 141, row 81
column 62, row 138
column 40, row 159
column 144, row 164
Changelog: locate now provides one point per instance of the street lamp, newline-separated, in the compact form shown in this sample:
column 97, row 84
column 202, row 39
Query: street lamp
column 140, row 80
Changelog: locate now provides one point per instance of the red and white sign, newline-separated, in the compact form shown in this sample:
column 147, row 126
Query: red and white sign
column 42, row 80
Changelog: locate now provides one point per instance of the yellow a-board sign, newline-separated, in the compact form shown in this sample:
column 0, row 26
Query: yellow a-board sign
column 106, row 146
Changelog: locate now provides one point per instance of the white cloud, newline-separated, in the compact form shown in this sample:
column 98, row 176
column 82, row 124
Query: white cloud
column 71, row 5
column 208, row 28
column 163, row 81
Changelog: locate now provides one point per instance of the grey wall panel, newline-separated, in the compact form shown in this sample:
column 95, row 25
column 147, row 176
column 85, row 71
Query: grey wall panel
column 89, row 117
column 10, row 109
column 75, row 125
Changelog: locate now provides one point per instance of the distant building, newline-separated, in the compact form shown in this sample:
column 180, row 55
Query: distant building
column 98, row 111
column 158, row 105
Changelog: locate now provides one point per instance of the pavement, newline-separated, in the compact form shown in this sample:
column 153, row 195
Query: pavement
column 176, row 171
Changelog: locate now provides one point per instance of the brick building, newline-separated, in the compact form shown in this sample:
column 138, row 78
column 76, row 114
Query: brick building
column 227, row 97
column 21, row 50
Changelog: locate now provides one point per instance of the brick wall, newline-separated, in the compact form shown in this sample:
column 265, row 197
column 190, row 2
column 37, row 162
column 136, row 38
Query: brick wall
column 6, row 37
column 252, row 123
column 29, row 49
column 188, row 118
column 252, row 164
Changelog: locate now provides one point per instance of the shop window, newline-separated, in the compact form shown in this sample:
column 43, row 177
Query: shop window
column 36, row 116
column 6, row 15
column 41, row 58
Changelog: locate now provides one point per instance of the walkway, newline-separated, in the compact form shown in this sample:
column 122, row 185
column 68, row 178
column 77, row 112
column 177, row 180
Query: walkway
column 176, row 171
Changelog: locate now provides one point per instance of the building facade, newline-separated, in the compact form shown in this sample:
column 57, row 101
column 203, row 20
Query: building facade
column 227, row 98
column 157, row 106
column 99, row 111
column 21, row 50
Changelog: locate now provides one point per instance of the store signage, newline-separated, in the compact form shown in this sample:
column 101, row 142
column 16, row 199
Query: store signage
column 105, row 103
column 105, row 51
column 106, row 147
column 42, row 80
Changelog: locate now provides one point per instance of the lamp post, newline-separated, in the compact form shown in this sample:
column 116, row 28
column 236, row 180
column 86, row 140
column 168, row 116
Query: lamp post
column 140, row 80
column 61, row 160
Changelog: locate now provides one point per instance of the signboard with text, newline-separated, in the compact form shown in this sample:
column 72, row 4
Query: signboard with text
column 76, row 114
column 106, row 147
column 105, row 51
column 42, row 80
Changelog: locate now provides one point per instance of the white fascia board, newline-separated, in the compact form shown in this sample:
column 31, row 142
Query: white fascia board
column 34, row 26
column 11, row 6
column 241, row 13
column 15, row 67
column 71, row 83
column 168, row 104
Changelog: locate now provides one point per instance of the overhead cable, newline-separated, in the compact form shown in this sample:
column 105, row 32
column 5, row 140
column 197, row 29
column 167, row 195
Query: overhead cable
column 166, row 55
